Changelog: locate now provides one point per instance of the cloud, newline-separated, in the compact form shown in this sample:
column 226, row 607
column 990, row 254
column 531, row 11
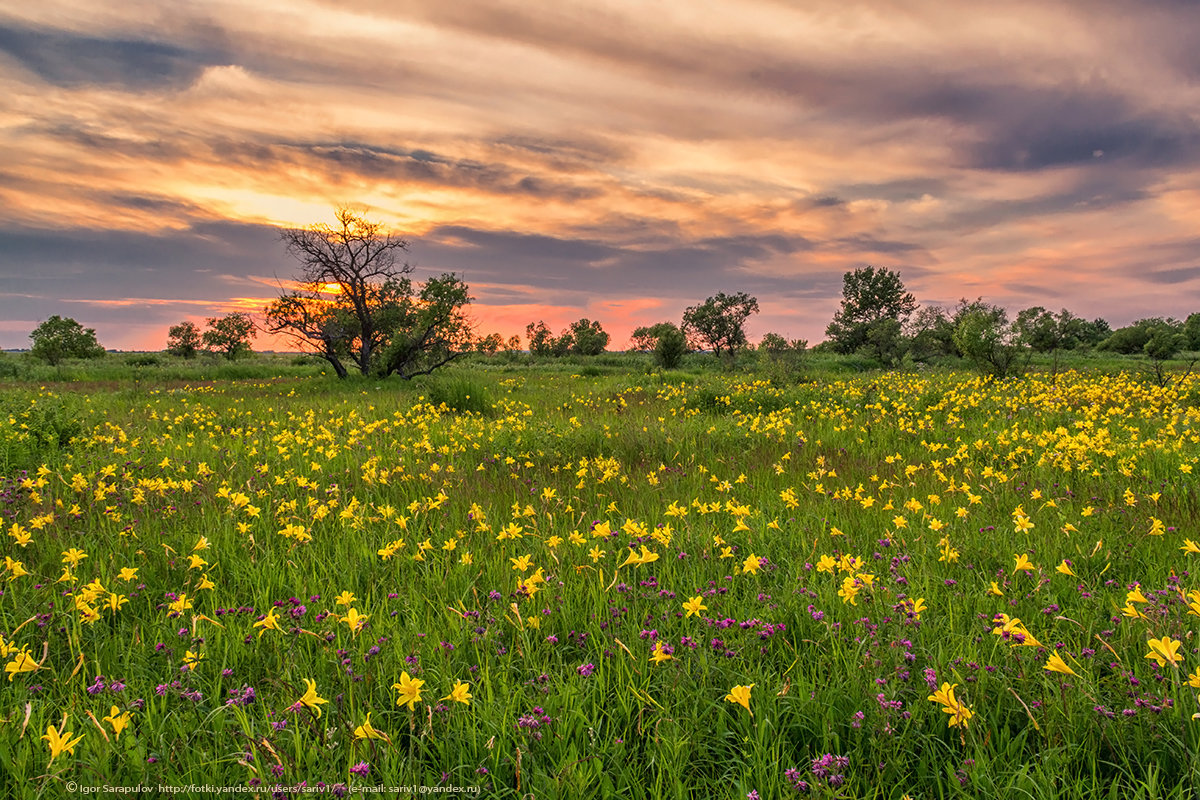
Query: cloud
column 68, row 59
column 601, row 159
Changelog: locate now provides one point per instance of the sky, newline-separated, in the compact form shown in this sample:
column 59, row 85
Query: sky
column 618, row 160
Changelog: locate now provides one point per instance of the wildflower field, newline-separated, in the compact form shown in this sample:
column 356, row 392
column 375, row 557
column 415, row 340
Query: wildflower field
column 556, row 585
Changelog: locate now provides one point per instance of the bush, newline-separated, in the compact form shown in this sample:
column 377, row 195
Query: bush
column 670, row 347
column 41, row 426
column 461, row 395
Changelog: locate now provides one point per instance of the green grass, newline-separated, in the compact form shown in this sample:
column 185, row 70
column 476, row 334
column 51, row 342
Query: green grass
column 296, row 482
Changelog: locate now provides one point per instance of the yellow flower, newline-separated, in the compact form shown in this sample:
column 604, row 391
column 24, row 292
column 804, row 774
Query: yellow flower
column 694, row 606
column 127, row 573
column 22, row 662
column 660, row 654
column 368, row 731
column 190, row 660
column 1136, row 596
column 16, row 568
column 849, row 591
column 355, row 620
column 1190, row 547
column 268, row 623
column 1056, row 664
column 459, row 693
column 346, row 598
column 196, row 562
column 181, row 604
column 646, row 556
column 1065, row 568
column 915, row 607
column 1165, row 651
column 959, row 713
column 60, row 743
column 740, row 695
column 1130, row 610
column 995, row 590
column 410, row 690
column 521, row 564
column 751, row 564
column 310, row 699
column 1023, row 563
column 202, row 544
column 118, row 721
column 73, row 556
column 1194, row 679
column 596, row 553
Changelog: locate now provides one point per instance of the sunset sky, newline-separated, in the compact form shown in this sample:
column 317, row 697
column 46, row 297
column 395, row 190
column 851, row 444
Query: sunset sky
column 616, row 159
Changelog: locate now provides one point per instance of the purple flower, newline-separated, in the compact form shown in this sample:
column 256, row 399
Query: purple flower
column 360, row 769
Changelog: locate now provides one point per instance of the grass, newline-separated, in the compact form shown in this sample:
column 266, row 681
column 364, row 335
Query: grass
column 852, row 539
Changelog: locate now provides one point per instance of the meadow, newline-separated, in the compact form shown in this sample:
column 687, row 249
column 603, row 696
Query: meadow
column 590, row 581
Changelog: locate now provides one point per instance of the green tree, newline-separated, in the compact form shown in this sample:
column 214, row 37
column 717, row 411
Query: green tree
column 984, row 335
column 490, row 345
column 430, row 329
column 1093, row 333
column 645, row 338
column 781, row 358
column 1164, row 344
column 183, row 339
column 588, row 338
column 930, row 333
column 719, row 323
column 229, row 335
column 874, row 309
column 1191, row 330
column 541, row 340
column 1045, row 332
column 1133, row 338
column 670, row 345
column 60, row 338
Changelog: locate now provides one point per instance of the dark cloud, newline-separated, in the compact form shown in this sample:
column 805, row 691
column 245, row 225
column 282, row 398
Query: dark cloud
column 1171, row 276
column 870, row 244
column 63, row 58
column 422, row 166
column 111, row 265
column 1063, row 129
column 574, row 270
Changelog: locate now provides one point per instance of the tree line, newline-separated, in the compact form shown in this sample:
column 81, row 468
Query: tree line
column 354, row 304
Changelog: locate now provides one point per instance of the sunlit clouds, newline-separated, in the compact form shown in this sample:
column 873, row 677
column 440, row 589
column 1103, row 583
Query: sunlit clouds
column 616, row 161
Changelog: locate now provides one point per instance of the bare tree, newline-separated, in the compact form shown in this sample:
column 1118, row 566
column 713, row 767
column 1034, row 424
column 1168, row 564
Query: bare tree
column 356, row 302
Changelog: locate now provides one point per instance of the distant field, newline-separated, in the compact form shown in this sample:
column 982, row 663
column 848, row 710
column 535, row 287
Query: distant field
column 593, row 579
